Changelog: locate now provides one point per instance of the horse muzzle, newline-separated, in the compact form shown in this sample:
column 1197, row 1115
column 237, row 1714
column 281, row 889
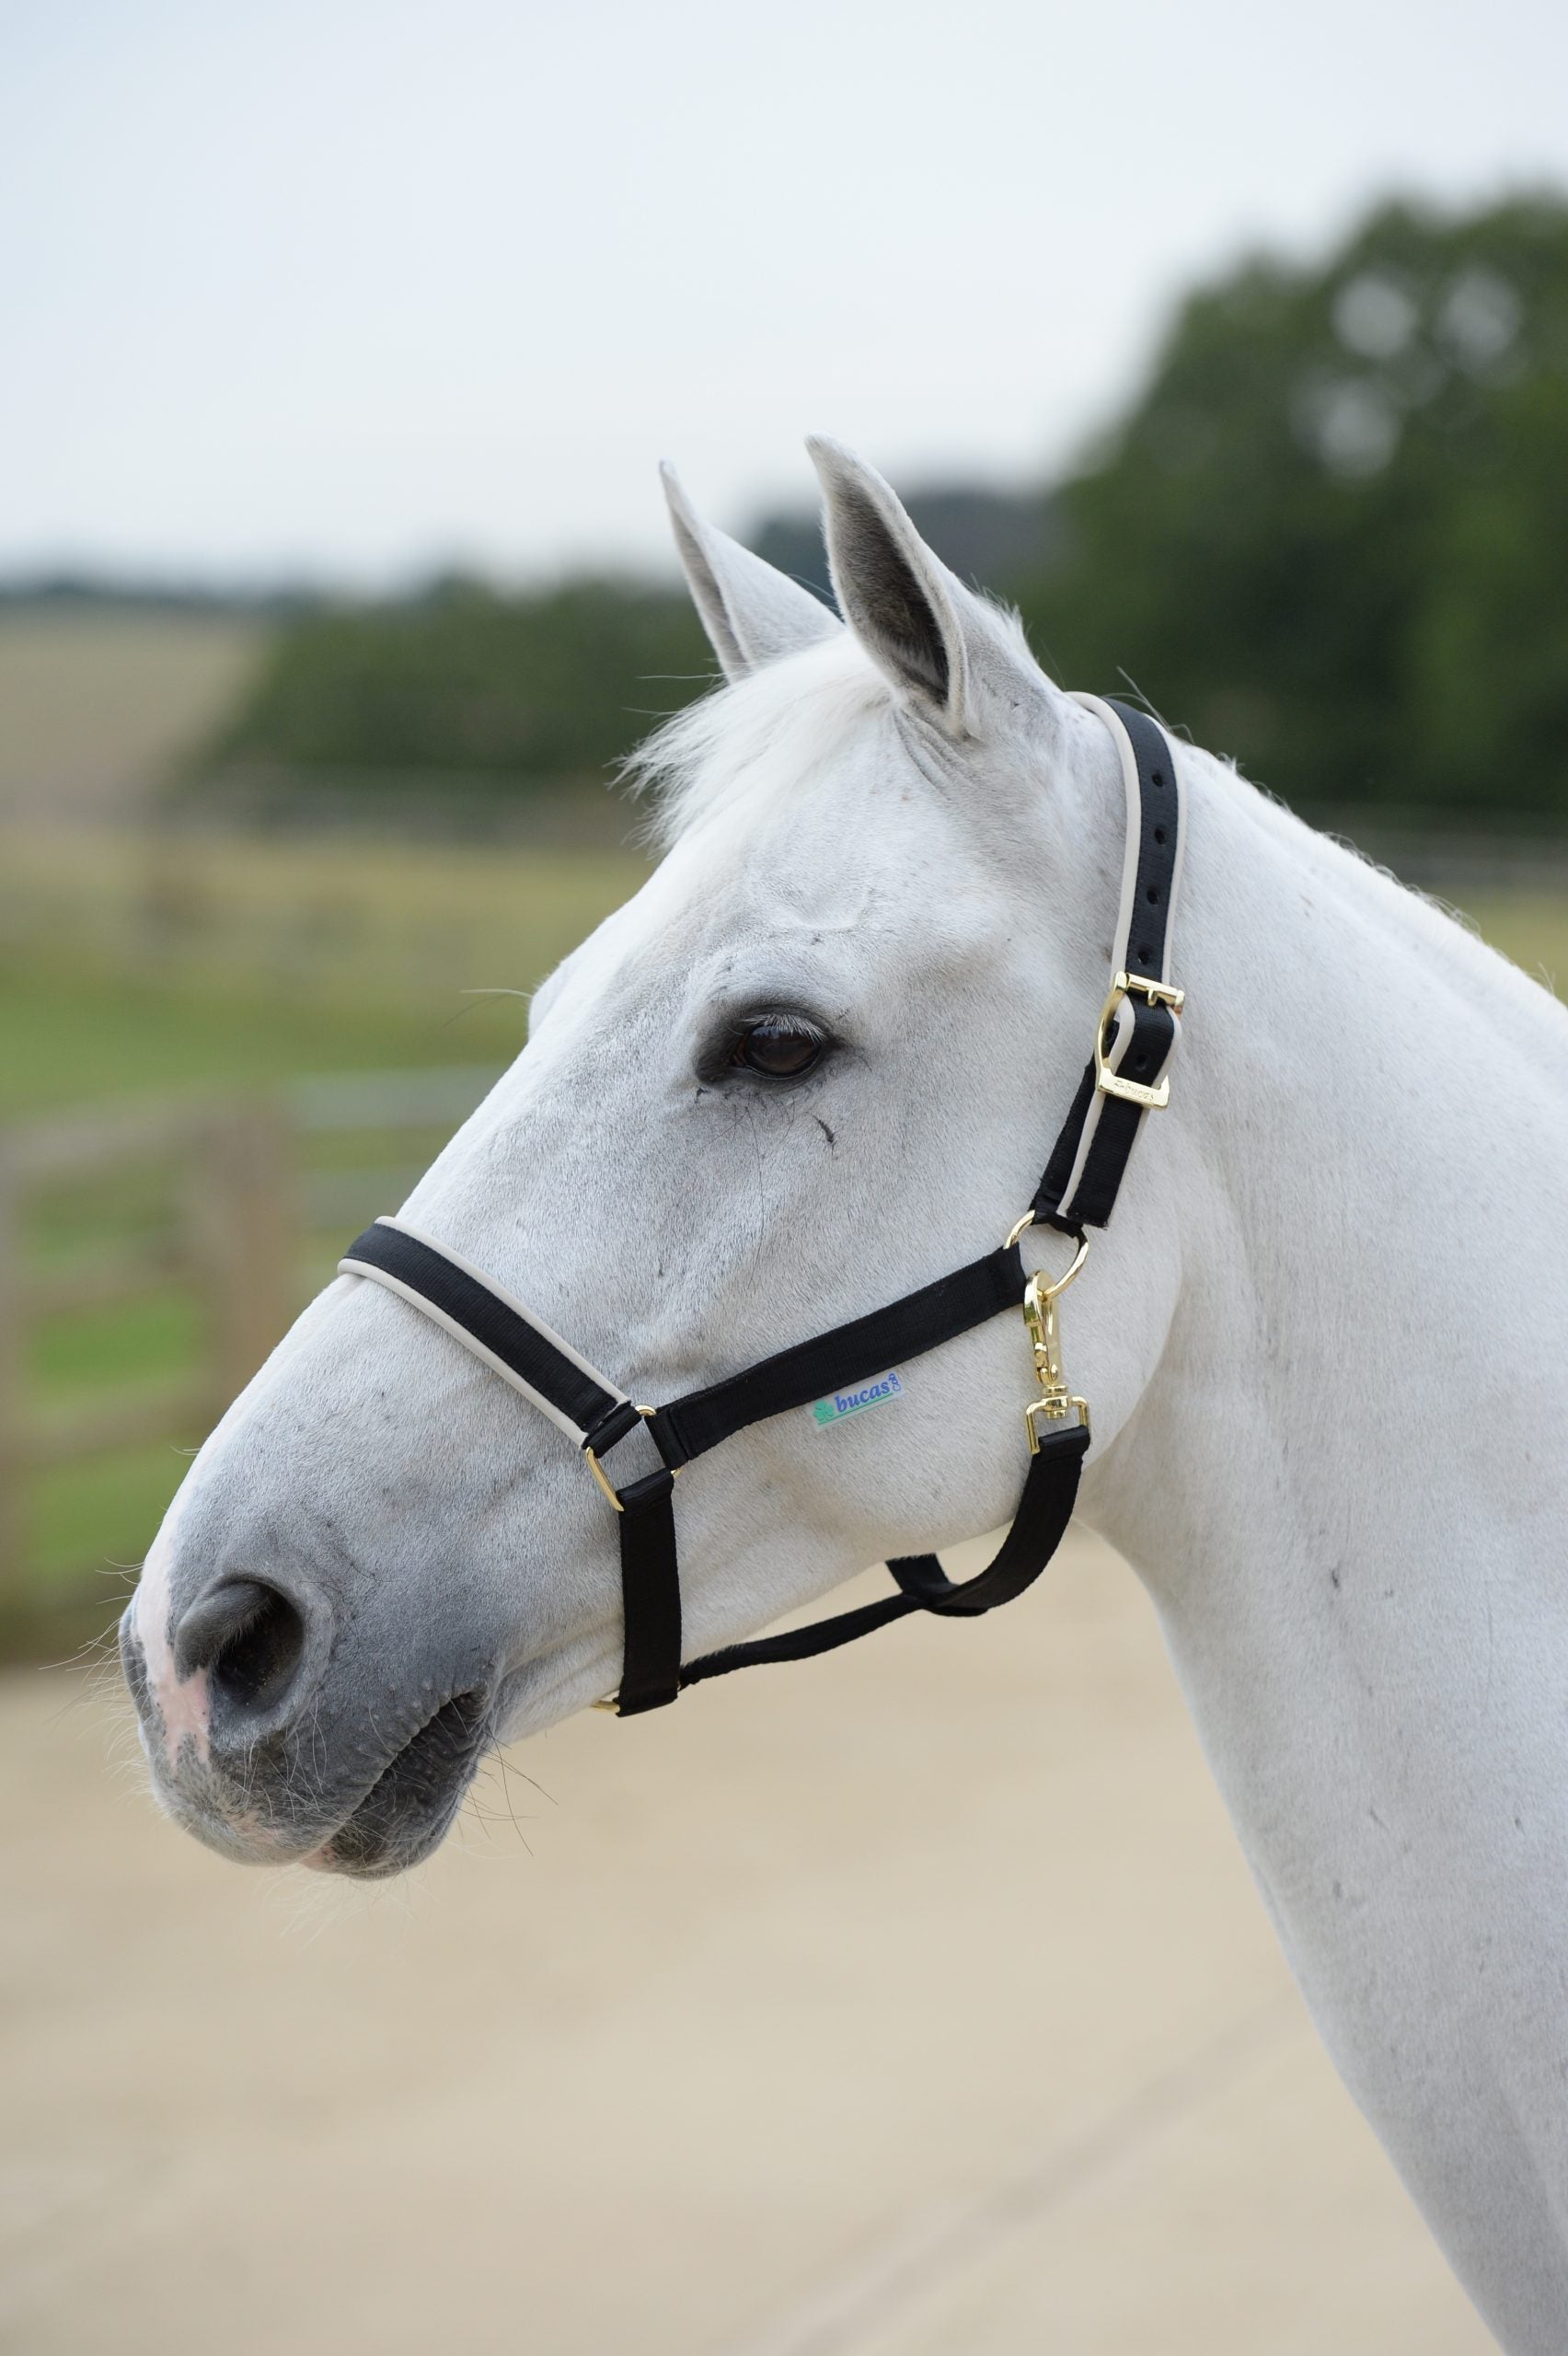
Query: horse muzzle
column 275, row 1737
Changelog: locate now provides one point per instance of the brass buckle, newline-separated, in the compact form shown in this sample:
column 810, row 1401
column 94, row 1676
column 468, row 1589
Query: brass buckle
column 1055, row 1401
column 603, row 1478
column 1110, row 1083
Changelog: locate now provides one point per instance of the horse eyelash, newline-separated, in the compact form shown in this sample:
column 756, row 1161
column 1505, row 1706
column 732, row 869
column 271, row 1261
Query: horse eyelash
column 785, row 1018
column 716, row 1064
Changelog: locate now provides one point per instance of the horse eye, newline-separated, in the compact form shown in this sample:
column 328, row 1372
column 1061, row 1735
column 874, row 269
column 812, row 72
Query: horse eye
column 776, row 1048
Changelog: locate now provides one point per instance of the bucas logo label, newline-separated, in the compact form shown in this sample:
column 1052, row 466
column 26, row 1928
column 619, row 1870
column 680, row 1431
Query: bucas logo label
column 834, row 1409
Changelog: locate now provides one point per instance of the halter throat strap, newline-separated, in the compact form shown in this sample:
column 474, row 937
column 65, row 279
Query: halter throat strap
column 1125, row 1079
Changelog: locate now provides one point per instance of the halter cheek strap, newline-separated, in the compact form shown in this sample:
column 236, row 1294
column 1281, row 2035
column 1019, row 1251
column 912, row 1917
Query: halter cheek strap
column 1139, row 1026
column 1125, row 1079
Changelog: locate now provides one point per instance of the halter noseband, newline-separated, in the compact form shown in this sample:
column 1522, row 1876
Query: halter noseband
column 1125, row 1079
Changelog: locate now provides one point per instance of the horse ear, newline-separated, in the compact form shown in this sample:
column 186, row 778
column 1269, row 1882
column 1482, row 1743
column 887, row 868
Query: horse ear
column 946, row 649
column 752, row 612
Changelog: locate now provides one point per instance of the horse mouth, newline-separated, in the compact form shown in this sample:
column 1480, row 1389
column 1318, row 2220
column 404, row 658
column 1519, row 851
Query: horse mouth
column 410, row 1807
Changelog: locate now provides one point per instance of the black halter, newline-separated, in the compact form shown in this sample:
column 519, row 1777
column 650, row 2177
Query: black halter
column 1124, row 1079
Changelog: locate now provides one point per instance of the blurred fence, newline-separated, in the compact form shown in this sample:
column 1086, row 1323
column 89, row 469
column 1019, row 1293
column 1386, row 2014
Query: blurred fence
column 341, row 924
column 149, row 1260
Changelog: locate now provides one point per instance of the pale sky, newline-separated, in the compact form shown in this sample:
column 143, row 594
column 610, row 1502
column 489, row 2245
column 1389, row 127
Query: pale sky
column 353, row 287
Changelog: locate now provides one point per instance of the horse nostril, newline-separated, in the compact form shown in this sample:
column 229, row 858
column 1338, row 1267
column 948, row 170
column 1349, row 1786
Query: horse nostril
column 248, row 1637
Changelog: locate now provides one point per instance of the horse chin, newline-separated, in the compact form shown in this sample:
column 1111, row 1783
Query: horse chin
column 410, row 1807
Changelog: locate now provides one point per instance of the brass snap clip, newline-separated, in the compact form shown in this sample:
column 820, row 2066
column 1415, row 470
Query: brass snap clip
column 1055, row 1401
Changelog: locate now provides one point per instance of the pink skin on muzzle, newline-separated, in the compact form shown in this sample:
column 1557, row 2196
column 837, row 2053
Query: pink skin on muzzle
column 183, row 1703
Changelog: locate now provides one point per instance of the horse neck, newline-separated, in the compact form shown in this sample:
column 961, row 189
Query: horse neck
column 1369, row 1100
column 1343, row 1488
column 1343, row 1485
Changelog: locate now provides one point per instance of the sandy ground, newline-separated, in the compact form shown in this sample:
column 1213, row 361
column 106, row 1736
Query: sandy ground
column 915, row 2003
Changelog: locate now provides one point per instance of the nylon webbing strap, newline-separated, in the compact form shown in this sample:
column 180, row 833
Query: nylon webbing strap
column 1044, row 1510
column 906, row 1329
column 1140, row 1033
column 475, row 1311
column 651, row 1595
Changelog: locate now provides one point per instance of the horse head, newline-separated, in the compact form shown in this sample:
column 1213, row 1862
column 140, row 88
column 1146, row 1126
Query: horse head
column 814, row 1063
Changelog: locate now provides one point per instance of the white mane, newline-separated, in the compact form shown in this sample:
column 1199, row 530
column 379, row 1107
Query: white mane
column 761, row 735
column 757, row 738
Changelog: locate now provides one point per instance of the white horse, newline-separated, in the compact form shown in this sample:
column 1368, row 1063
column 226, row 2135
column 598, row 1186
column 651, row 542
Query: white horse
column 1323, row 1338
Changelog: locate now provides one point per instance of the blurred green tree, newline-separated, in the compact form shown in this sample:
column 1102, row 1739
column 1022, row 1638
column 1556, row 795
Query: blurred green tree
column 1331, row 535
column 466, row 682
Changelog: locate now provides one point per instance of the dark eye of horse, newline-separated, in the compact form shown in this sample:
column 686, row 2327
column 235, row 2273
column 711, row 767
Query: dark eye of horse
column 777, row 1047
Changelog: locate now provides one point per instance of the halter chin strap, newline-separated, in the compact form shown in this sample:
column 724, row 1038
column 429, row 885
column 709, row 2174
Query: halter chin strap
column 1125, row 1079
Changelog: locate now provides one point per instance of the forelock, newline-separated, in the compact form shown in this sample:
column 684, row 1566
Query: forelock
column 755, row 741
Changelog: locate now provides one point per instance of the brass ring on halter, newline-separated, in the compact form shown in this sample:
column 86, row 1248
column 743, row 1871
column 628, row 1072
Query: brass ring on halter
column 1049, row 1291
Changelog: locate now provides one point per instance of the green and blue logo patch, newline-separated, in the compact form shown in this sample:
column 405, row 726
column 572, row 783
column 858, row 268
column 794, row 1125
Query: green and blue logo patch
column 842, row 1403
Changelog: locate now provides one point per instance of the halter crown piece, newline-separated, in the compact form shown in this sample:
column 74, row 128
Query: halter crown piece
column 1124, row 1081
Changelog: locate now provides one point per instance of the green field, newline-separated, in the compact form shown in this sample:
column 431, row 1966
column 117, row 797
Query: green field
column 133, row 971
